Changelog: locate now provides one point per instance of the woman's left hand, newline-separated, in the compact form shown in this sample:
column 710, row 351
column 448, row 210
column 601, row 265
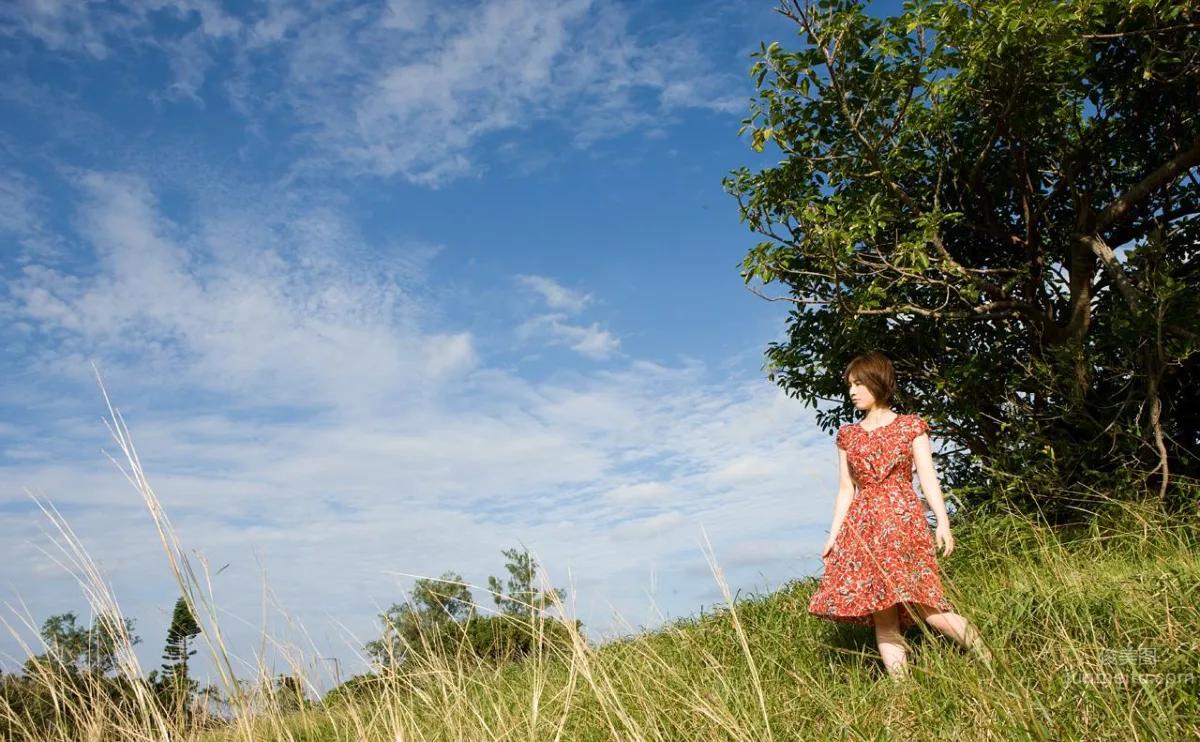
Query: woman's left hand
column 944, row 539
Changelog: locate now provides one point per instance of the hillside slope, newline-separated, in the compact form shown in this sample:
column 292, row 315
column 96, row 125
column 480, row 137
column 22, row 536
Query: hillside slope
column 1094, row 632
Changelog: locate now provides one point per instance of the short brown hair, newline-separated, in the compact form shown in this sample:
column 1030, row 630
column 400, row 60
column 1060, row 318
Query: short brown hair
column 876, row 373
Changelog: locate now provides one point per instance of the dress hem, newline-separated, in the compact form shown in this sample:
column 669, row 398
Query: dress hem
column 868, row 618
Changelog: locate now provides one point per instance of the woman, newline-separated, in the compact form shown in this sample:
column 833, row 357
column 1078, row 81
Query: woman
column 881, row 562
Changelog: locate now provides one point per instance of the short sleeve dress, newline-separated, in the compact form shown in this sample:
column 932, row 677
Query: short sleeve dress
column 884, row 552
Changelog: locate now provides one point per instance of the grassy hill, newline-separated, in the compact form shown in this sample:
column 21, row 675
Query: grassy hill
column 1094, row 631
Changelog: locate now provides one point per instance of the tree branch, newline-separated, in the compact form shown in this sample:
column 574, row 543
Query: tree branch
column 792, row 299
column 1109, row 258
column 977, row 169
column 1183, row 333
column 872, row 154
column 1140, row 32
column 1167, row 172
column 1132, row 231
column 992, row 310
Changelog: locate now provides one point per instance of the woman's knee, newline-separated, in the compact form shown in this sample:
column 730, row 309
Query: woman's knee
column 948, row 623
column 887, row 622
column 921, row 612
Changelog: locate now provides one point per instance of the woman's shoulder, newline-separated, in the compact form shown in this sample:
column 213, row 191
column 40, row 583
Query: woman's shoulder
column 915, row 424
column 843, row 432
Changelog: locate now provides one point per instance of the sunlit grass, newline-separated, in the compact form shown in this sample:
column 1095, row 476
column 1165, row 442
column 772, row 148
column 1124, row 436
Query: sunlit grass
column 1093, row 630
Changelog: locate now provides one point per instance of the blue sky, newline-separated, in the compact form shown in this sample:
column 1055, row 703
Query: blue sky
column 387, row 288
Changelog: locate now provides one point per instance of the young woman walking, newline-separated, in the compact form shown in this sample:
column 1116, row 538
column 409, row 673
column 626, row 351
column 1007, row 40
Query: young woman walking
column 880, row 559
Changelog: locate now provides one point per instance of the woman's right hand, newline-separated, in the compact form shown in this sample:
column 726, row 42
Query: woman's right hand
column 825, row 550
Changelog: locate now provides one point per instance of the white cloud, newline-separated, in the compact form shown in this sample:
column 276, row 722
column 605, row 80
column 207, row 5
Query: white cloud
column 510, row 66
column 21, row 205
column 655, row 525
column 591, row 340
column 226, row 309
column 302, row 406
column 421, row 116
column 82, row 26
column 59, row 25
column 408, row 87
column 556, row 296
column 641, row 492
column 757, row 552
column 747, row 468
column 16, row 204
column 408, row 15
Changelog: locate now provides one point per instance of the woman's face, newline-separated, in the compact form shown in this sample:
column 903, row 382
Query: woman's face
column 860, row 395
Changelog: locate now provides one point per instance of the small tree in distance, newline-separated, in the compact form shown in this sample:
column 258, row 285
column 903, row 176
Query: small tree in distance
column 519, row 596
column 174, row 685
column 80, row 649
column 434, row 605
column 440, row 617
column 176, row 652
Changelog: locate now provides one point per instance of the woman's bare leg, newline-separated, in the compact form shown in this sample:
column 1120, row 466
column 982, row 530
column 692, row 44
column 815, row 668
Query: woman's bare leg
column 954, row 626
column 891, row 643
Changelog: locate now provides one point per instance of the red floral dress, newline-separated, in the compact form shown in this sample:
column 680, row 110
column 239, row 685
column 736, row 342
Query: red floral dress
column 884, row 552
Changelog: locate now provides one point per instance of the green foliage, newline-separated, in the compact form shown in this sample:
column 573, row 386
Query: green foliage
column 75, row 648
column 1002, row 197
column 183, row 629
column 432, row 604
column 173, row 685
column 50, row 701
column 360, row 689
column 520, row 596
column 440, row 619
column 509, row 638
column 289, row 693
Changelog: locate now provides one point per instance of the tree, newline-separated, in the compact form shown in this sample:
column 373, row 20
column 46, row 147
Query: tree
column 1001, row 196
column 176, row 652
column 81, row 649
column 408, row 627
column 507, row 637
column 288, row 693
column 519, row 597
column 440, row 618
column 66, row 642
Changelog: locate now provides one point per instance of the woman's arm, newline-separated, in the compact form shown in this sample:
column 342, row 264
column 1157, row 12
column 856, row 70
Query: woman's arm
column 845, row 493
column 928, row 478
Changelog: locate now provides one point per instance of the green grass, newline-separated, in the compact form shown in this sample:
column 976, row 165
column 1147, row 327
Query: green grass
column 1051, row 605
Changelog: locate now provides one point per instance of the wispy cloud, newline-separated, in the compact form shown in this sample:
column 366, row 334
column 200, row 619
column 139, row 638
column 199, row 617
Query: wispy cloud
column 21, row 206
column 590, row 340
column 404, row 88
column 307, row 402
column 641, row 492
column 85, row 27
column 470, row 71
column 224, row 308
column 556, row 296
column 16, row 207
